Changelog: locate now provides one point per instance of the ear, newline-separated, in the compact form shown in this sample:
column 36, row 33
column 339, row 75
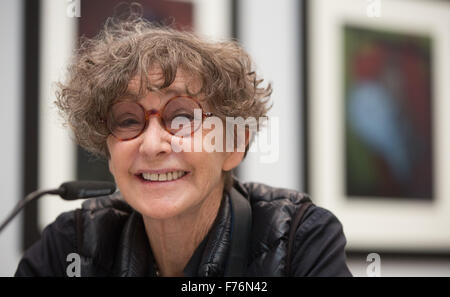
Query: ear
column 108, row 155
column 109, row 165
column 233, row 159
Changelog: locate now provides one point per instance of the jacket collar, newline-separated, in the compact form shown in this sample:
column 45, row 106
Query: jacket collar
column 134, row 256
column 133, row 253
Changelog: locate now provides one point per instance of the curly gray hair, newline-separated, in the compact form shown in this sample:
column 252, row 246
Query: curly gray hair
column 103, row 67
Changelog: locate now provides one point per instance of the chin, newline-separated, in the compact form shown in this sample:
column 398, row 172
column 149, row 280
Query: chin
column 159, row 209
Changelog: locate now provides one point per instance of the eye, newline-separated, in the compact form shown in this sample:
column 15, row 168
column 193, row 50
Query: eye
column 184, row 115
column 180, row 113
column 128, row 121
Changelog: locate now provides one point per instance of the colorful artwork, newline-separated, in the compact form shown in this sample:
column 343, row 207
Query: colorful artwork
column 388, row 103
column 179, row 14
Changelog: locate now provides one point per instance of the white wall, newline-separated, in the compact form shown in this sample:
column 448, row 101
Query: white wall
column 11, row 25
column 211, row 18
column 56, row 149
column 270, row 32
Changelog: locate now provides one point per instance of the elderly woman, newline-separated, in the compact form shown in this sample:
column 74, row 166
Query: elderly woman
column 140, row 95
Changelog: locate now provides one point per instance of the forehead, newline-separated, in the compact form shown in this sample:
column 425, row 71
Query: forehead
column 182, row 84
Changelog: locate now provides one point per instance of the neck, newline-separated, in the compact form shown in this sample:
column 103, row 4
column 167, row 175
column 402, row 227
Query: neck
column 174, row 240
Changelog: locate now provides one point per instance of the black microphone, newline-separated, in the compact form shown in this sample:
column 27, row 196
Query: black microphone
column 85, row 189
column 68, row 191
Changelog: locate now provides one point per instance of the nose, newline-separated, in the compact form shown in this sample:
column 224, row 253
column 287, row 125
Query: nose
column 155, row 140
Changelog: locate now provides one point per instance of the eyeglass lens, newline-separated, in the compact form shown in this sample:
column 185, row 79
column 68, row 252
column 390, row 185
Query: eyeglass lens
column 181, row 116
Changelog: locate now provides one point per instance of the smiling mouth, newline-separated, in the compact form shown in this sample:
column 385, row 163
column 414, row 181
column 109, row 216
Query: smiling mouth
column 163, row 177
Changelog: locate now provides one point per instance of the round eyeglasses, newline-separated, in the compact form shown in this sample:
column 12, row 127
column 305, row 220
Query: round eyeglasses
column 180, row 116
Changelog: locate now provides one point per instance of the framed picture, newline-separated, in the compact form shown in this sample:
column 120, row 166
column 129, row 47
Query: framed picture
column 378, row 113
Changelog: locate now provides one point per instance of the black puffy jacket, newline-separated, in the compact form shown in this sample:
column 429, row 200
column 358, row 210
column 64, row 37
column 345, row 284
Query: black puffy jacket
column 110, row 238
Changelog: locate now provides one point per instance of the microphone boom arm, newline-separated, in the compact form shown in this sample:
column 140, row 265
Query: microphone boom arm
column 67, row 191
column 30, row 197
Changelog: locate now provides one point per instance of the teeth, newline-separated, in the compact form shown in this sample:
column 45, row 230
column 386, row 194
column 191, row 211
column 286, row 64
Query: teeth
column 163, row 176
